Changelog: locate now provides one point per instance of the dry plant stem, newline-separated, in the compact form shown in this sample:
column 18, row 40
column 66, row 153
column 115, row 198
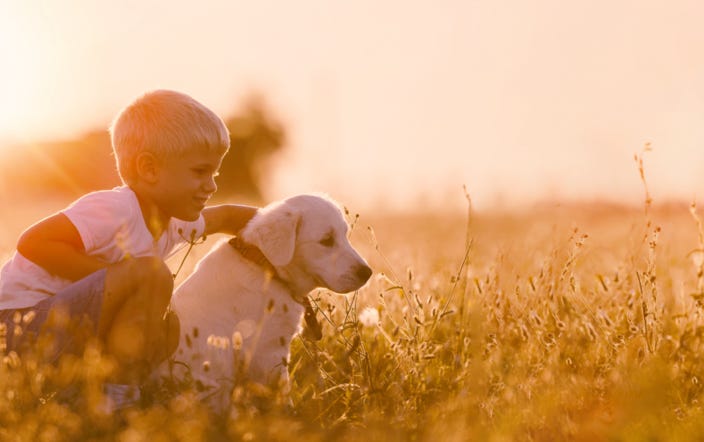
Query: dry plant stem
column 192, row 241
column 651, row 242
column 468, row 232
column 458, row 276
column 644, row 309
column 451, row 295
column 641, row 170
column 406, row 292
column 699, row 251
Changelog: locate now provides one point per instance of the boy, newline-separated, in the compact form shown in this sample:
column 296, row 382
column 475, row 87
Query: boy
column 100, row 262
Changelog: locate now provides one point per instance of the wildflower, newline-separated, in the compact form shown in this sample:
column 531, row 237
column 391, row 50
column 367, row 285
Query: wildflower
column 28, row 317
column 369, row 317
column 12, row 360
column 246, row 328
column 236, row 340
column 221, row 342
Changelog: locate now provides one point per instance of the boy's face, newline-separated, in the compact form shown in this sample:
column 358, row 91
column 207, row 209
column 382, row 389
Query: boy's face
column 185, row 184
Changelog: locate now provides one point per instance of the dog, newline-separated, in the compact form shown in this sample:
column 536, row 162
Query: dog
column 243, row 304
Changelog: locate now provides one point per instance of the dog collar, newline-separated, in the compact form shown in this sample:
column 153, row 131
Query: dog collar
column 253, row 254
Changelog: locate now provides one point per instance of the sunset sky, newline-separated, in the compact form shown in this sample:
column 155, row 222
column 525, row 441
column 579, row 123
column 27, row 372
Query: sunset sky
column 391, row 102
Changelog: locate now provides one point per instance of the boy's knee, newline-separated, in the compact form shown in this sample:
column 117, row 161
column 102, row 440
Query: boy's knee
column 141, row 285
column 133, row 274
column 149, row 268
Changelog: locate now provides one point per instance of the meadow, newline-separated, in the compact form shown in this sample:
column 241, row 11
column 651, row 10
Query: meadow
column 555, row 322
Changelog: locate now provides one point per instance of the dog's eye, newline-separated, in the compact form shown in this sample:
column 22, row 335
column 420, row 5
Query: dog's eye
column 328, row 241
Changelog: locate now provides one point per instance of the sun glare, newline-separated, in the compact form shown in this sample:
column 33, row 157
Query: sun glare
column 21, row 78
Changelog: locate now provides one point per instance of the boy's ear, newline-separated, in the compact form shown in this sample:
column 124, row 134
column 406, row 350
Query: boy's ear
column 147, row 167
column 274, row 233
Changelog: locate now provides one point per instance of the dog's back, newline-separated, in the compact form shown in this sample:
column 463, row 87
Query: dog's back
column 236, row 323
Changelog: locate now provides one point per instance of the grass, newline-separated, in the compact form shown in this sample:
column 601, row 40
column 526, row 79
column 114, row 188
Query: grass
column 564, row 322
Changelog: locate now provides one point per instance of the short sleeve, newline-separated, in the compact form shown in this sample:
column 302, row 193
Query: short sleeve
column 98, row 217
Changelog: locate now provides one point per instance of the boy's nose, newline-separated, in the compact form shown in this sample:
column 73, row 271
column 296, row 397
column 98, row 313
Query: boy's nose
column 210, row 185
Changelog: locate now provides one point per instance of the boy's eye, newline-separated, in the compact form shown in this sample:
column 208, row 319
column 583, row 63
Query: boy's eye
column 203, row 172
column 328, row 241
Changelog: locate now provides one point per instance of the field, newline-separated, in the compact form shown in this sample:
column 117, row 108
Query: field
column 561, row 322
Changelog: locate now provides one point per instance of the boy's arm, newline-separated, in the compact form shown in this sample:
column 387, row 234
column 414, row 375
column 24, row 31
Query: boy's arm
column 227, row 218
column 55, row 245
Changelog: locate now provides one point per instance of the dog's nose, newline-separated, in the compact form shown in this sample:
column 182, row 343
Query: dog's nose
column 363, row 273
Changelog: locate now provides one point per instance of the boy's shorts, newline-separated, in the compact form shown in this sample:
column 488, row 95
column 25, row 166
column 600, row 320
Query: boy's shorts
column 68, row 319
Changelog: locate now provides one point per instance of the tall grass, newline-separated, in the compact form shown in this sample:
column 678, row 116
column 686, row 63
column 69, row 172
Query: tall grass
column 575, row 322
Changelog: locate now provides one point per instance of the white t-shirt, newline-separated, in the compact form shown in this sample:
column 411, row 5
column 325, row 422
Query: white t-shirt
column 112, row 228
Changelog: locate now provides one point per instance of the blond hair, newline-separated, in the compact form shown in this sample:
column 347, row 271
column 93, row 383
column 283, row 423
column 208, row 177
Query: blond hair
column 166, row 124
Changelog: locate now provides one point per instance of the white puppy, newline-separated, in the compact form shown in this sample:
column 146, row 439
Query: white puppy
column 244, row 302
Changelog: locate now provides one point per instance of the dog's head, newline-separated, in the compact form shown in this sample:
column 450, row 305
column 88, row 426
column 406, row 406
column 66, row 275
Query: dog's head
column 305, row 238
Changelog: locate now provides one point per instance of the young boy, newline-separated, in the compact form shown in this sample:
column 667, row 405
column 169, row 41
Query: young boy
column 100, row 262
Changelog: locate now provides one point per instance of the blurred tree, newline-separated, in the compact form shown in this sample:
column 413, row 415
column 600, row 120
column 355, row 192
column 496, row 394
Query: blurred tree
column 61, row 168
column 72, row 168
column 254, row 137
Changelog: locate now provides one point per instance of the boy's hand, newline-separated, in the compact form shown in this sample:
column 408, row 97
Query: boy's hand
column 227, row 218
column 55, row 245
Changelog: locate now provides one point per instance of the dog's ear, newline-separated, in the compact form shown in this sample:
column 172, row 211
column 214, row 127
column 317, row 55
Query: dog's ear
column 274, row 233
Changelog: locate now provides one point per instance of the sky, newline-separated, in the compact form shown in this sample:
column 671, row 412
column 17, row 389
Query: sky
column 395, row 103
